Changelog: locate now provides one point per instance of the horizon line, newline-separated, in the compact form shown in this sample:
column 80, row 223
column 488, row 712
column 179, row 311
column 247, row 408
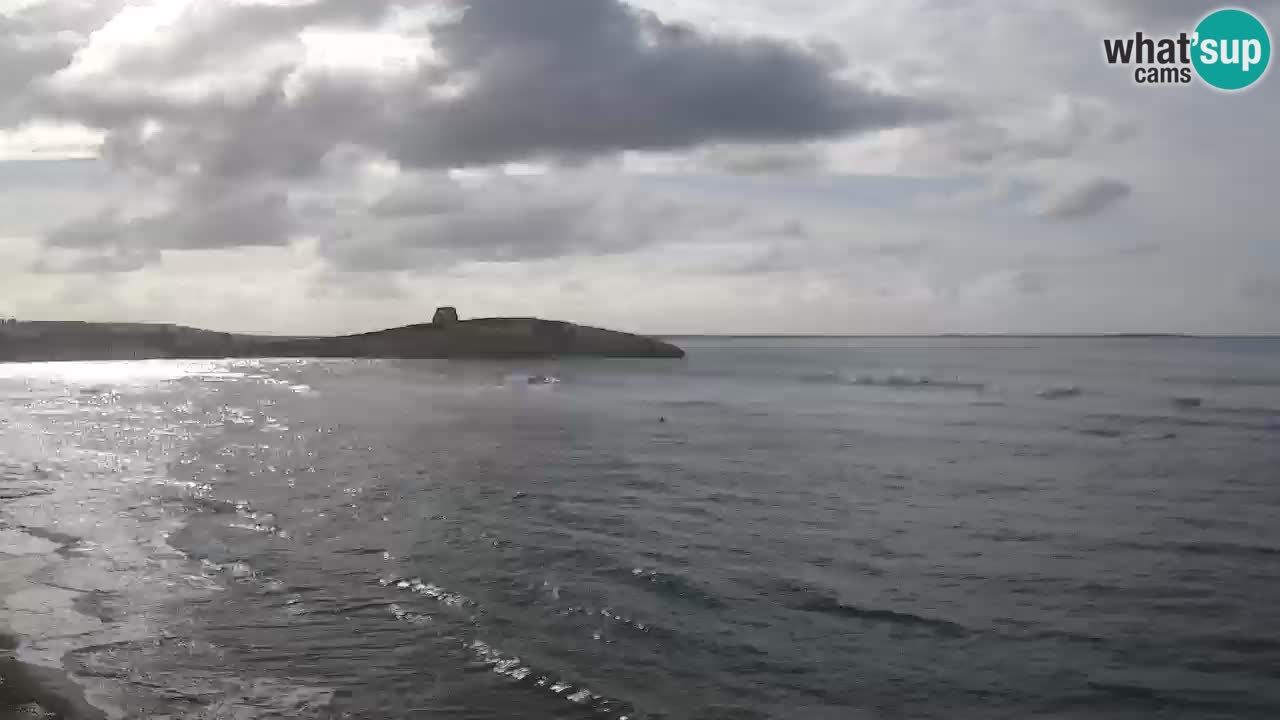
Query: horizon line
column 758, row 335
column 1016, row 335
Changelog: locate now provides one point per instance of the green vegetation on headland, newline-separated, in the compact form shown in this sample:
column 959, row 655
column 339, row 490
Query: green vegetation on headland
column 444, row 337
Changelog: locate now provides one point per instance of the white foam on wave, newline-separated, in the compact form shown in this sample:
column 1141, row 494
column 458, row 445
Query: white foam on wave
column 901, row 380
column 409, row 616
column 499, row 662
column 607, row 613
column 431, row 590
column 512, row 667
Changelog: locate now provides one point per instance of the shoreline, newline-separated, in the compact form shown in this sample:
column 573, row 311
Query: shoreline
column 29, row 691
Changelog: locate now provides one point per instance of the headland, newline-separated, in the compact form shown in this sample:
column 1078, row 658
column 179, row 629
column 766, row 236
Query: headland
column 445, row 336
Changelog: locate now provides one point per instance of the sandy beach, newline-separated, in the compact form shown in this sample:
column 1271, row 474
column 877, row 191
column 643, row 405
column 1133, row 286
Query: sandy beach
column 28, row 692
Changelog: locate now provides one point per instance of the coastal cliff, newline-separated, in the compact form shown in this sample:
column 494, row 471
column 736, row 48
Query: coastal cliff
column 445, row 337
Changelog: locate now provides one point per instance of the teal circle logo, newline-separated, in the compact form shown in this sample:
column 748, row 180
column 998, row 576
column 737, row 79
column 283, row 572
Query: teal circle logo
column 1232, row 49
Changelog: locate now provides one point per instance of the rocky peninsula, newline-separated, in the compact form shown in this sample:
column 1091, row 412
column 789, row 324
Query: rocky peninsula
column 444, row 337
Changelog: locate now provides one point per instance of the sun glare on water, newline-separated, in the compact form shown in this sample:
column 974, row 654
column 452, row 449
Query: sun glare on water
column 121, row 373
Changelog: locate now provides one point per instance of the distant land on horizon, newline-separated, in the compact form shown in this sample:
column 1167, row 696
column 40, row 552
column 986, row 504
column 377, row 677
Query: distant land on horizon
column 992, row 336
column 444, row 337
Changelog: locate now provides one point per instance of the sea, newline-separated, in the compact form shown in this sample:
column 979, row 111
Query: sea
column 808, row 528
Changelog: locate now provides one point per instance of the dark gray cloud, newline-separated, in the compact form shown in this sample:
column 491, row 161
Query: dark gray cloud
column 272, row 131
column 494, row 225
column 427, row 224
column 590, row 77
column 536, row 231
column 428, row 221
column 27, row 54
column 420, row 197
column 202, row 217
column 1085, row 198
column 75, row 17
column 512, row 80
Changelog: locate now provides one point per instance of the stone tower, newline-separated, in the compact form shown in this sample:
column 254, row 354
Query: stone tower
column 445, row 316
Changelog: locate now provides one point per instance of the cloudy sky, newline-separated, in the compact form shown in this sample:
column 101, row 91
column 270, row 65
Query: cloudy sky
column 664, row 166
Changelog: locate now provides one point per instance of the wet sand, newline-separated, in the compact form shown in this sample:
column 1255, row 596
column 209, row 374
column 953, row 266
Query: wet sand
column 29, row 693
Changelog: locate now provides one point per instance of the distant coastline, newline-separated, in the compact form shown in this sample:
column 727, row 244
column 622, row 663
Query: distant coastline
column 972, row 336
column 444, row 337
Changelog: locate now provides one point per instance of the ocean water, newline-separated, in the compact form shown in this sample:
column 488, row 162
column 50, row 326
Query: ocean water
column 769, row 528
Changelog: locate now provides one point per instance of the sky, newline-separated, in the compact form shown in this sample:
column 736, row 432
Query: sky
column 657, row 166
